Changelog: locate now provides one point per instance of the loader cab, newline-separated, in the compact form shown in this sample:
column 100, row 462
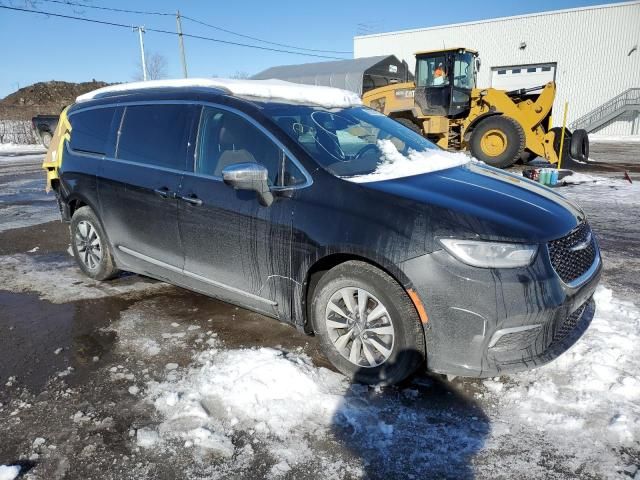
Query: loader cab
column 444, row 80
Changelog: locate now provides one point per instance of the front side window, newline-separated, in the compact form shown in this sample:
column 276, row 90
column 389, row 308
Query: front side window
column 90, row 130
column 156, row 134
column 463, row 71
column 226, row 138
column 432, row 71
column 347, row 142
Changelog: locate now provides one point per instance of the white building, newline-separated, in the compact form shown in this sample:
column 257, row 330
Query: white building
column 593, row 54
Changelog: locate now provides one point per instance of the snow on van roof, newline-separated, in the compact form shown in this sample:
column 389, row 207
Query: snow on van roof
column 271, row 89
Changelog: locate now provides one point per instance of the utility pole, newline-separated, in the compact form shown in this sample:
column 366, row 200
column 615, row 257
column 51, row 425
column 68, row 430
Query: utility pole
column 144, row 63
column 181, row 44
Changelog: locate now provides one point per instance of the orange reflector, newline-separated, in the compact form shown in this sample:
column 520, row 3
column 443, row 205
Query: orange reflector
column 422, row 313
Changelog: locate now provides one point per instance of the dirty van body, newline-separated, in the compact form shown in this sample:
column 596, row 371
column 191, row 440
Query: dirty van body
column 260, row 202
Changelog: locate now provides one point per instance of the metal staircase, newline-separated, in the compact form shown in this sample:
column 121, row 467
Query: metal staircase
column 627, row 101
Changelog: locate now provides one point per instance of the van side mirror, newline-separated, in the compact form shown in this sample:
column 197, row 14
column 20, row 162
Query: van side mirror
column 249, row 176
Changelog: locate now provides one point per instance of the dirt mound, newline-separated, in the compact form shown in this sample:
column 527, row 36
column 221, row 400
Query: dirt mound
column 43, row 98
column 54, row 93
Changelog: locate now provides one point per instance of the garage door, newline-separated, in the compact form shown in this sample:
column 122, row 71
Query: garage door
column 522, row 76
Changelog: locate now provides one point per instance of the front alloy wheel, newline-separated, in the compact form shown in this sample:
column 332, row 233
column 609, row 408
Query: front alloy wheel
column 359, row 326
column 367, row 325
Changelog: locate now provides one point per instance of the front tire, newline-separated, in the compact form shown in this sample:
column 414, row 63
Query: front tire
column 367, row 325
column 90, row 246
column 498, row 141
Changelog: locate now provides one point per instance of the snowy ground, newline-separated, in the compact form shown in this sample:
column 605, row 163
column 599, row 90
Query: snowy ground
column 595, row 138
column 23, row 201
column 15, row 149
column 137, row 379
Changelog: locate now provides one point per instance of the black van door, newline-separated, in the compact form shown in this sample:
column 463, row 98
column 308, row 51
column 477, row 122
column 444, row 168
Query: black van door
column 237, row 249
column 138, row 186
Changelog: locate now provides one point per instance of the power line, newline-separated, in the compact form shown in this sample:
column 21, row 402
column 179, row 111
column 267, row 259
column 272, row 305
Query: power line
column 200, row 22
column 167, row 32
column 259, row 39
column 111, row 9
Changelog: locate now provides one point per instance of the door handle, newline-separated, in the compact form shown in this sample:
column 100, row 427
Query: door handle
column 164, row 192
column 192, row 199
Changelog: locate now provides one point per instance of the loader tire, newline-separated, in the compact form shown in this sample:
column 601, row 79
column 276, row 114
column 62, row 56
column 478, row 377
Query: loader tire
column 580, row 145
column 498, row 141
column 566, row 147
column 409, row 124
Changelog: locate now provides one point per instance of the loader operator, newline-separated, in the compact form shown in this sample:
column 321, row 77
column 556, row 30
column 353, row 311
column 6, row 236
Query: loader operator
column 439, row 75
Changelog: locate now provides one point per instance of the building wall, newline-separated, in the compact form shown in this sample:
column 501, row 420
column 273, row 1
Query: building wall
column 592, row 46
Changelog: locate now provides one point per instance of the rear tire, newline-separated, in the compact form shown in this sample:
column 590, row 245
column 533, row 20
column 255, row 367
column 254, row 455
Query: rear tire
column 90, row 245
column 384, row 345
column 498, row 141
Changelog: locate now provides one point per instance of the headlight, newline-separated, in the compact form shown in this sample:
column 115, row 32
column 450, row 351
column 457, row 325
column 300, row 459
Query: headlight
column 490, row 254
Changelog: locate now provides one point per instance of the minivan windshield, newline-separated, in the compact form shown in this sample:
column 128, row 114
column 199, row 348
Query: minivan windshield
column 353, row 141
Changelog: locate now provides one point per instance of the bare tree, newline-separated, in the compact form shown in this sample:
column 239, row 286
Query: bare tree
column 240, row 75
column 156, row 67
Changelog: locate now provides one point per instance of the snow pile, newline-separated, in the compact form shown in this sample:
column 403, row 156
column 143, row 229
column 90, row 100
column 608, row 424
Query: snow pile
column 587, row 402
column 277, row 398
column 396, row 165
column 9, row 472
column 245, row 407
column 247, row 404
column 269, row 89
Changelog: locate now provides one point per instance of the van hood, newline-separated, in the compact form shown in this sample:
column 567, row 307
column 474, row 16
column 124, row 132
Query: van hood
column 487, row 202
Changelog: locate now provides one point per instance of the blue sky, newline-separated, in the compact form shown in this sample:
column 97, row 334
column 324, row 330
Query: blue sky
column 38, row 48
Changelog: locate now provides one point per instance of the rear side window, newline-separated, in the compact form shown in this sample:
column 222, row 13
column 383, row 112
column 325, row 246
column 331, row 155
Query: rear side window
column 156, row 135
column 90, row 130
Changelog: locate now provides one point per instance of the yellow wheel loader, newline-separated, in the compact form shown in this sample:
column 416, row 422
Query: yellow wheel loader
column 496, row 126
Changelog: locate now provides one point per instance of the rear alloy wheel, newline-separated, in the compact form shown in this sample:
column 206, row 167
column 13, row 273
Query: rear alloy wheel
column 90, row 246
column 367, row 325
column 498, row 141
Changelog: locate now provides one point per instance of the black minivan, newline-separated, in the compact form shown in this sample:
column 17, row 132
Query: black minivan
column 335, row 219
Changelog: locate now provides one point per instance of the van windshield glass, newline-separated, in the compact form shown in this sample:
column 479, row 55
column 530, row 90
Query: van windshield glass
column 348, row 142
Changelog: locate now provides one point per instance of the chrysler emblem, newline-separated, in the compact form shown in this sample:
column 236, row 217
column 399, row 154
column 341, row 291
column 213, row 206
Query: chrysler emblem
column 582, row 245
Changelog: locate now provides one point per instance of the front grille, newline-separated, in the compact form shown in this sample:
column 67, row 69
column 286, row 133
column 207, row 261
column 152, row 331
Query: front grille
column 568, row 259
column 569, row 324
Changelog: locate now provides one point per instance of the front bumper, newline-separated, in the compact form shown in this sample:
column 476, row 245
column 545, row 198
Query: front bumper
column 487, row 322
